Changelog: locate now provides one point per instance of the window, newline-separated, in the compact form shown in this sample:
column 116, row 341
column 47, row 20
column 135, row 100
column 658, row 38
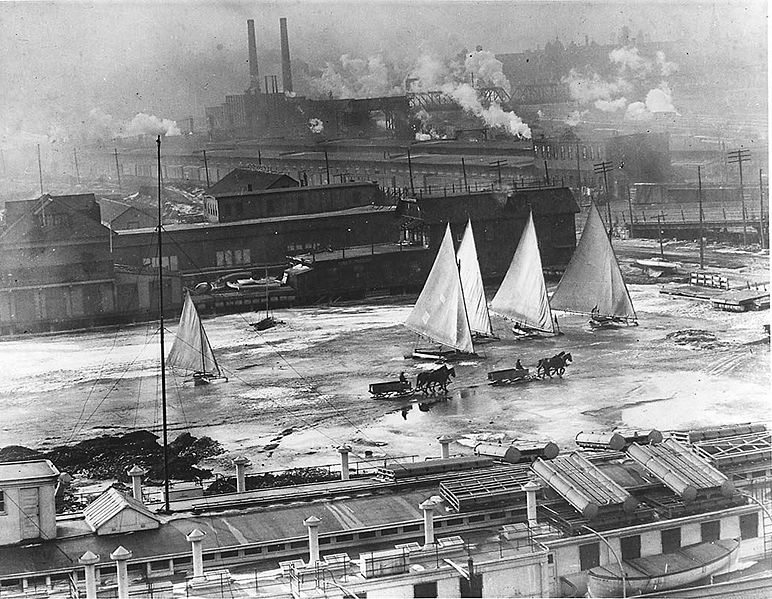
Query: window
column 2, row 502
column 711, row 531
column 631, row 547
column 425, row 589
column 589, row 556
column 749, row 526
column 671, row 540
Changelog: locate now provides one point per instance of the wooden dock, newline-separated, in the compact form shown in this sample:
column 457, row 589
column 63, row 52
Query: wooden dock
column 732, row 300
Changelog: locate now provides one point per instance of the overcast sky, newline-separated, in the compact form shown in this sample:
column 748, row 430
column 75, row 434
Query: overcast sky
column 61, row 59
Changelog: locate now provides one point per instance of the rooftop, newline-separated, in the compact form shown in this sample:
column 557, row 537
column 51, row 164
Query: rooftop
column 13, row 472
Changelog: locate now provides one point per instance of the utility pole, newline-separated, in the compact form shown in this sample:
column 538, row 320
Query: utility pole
column 605, row 167
column 659, row 233
column 259, row 158
column 40, row 171
column 738, row 157
column 206, row 169
column 410, row 171
column 578, row 170
column 463, row 168
column 630, row 208
column 77, row 170
column 498, row 164
column 327, row 166
column 702, row 217
column 546, row 174
column 762, row 237
column 117, row 168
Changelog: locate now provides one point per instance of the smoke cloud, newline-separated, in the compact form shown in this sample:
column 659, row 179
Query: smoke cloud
column 493, row 116
column 356, row 78
column 486, row 70
column 148, row 124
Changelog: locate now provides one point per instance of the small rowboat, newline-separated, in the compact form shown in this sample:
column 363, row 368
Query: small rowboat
column 663, row 571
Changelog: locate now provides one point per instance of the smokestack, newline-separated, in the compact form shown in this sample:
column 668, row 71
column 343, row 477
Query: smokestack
column 286, row 68
column 254, row 77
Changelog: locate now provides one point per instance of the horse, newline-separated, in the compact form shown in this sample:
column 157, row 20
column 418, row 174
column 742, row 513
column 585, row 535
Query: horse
column 430, row 382
column 554, row 365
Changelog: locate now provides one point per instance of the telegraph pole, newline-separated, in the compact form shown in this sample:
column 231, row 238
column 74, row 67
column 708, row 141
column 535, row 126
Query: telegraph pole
column 327, row 166
column 738, row 157
column 410, row 172
column 762, row 237
column 206, row 169
column 605, row 167
column 463, row 168
column 659, row 231
column 498, row 164
column 77, row 170
column 40, row 171
column 702, row 218
column 578, row 170
column 117, row 168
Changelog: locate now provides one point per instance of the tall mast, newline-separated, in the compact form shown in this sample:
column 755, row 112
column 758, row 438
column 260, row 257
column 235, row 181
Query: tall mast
column 463, row 301
column 167, row 506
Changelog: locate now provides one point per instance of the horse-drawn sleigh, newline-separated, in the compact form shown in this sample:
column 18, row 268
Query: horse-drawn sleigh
column 430, row 382
column 546, row 367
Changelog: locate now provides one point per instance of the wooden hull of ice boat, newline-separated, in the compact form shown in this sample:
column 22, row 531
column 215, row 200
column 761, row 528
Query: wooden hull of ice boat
column 201, row 379
column 610, row 322
column 664, row 571
column 440, row 355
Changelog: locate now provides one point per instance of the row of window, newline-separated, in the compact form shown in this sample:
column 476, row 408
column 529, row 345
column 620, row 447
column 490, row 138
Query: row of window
column 589, row 554
column 567, row 151
column 47, row 219
column 234, row 257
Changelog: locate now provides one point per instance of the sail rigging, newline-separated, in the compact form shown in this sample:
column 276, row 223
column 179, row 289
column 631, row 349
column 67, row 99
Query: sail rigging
column 593, row 283
column 472, row 284
column 439, row 312
column 191, row 349
column 522, row 296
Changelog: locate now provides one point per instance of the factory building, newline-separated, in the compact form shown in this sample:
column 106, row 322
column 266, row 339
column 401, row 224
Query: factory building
column 498, row 219
column 56, row 270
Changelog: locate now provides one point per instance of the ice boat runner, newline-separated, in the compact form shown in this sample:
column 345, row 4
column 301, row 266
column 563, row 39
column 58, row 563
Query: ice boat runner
column 472, row 286
column 522, row 296
column 191, row 350
column 440, row 311
column 593, row 283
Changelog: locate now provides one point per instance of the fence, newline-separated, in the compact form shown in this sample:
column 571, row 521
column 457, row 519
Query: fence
column 704, row 279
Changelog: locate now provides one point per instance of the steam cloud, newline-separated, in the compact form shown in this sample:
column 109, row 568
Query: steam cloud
column 634, row 72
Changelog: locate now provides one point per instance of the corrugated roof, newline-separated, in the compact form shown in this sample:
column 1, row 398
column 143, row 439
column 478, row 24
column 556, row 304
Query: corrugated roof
column 109, row 504
column 675, row 465
column 238, row 180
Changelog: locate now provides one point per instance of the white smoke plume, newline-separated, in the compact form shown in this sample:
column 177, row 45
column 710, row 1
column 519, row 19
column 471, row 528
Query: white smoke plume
column 630, row 61
column 486, row 69
column 316, row 125
column 666, row 68
column 355, row 78
column 657, row 100
column 611, row 105
column 423, row 136
column 428, row 74
column 494, row 116
column 147, row 124
column 586, row 89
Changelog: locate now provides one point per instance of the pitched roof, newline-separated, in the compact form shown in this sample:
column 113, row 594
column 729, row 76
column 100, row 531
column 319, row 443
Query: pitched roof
column 112, row 209
column 111, row 503
column 238, row 181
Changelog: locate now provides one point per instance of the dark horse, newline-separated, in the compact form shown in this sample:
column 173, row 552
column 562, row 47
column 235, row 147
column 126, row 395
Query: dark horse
column 554, row 365
column 431, row 382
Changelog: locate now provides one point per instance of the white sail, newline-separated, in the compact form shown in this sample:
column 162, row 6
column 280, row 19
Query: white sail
column 522, row 296
column 439, row 312
column 472, row 284
column 592, row 281
column 191, row 350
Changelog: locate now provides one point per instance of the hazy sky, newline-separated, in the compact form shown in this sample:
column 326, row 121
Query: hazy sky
column 59, row 60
